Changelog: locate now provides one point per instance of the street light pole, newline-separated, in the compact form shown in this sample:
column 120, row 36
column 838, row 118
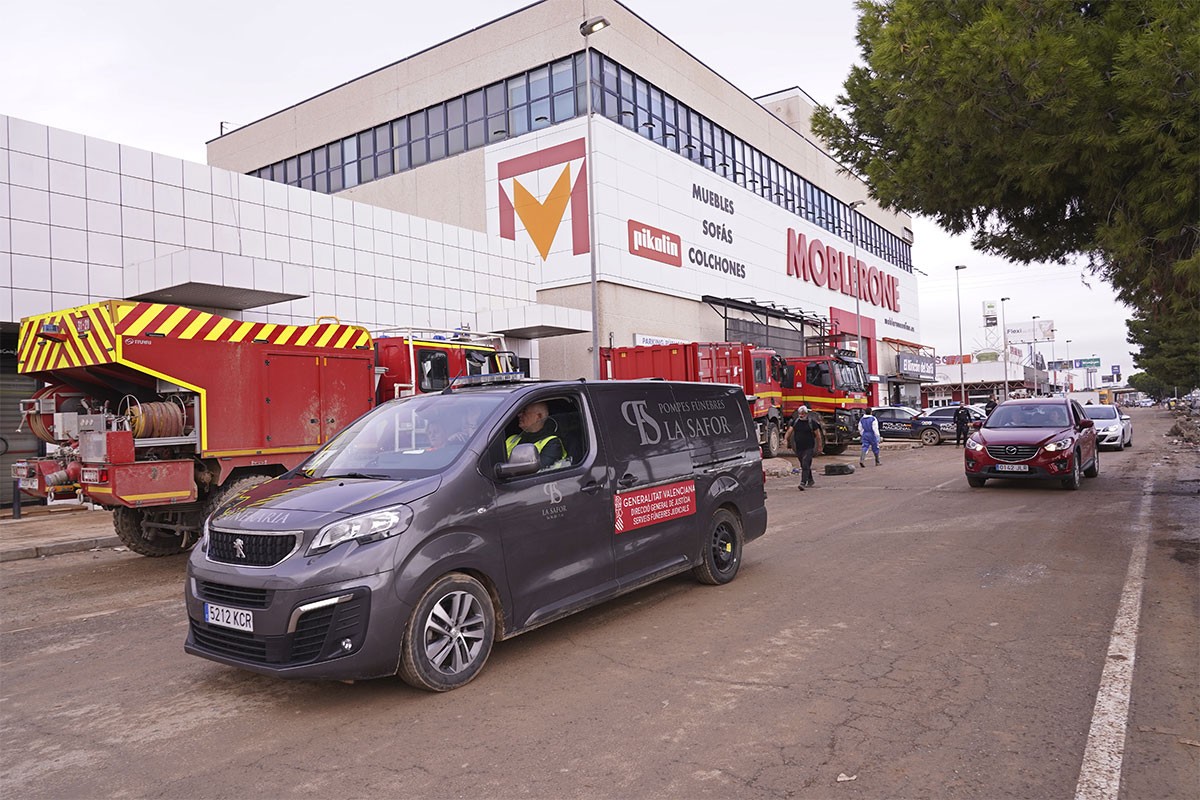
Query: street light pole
column 857, row 290
column 1054, row 372
column 1035, row 353
column 962, row 381
column 587, row 28
column 1070, row 369
column 1004, row 325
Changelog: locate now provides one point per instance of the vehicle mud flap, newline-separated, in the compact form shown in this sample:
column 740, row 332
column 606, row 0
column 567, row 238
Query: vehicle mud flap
column 839, row 469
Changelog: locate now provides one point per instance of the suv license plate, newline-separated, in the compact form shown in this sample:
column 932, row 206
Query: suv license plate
column 1012, row 468
column 233, row 618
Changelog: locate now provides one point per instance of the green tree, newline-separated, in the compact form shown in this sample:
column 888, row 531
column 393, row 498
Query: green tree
column 1169, row 351
column 1048, row 129
column 1149, row 385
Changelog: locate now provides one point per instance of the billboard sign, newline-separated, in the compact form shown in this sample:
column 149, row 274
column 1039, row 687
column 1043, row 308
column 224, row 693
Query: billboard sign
column 910, row 365
column 1035, row 330
column 989, row 313
column 1087, row 363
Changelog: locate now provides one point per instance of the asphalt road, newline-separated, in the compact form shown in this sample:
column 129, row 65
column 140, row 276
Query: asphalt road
column 895, row 628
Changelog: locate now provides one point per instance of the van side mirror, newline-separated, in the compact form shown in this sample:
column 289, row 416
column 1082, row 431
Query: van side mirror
column 524, row 460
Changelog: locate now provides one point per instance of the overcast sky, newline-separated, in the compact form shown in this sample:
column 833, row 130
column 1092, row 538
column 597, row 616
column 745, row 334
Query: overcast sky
column 163, row 76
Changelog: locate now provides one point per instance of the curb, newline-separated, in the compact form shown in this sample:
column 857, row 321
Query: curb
column 58, row 548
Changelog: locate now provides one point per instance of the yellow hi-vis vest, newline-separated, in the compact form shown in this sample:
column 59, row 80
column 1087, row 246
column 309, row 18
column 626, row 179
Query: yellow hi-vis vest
column 540, row 444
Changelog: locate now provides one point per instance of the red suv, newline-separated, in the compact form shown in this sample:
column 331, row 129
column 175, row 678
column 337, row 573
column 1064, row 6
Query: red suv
column 1045, row 438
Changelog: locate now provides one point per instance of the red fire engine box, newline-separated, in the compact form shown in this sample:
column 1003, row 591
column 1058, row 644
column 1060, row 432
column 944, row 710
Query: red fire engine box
column 144, row 483
column 119, row 446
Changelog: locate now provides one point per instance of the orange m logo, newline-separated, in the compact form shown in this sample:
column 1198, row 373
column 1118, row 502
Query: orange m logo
column 542, row 219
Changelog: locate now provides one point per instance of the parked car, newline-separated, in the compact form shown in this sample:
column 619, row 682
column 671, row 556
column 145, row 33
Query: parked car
column 943, row 419
column 902, row 422
column 1113, row 429
column 437, row 524
column 1045, row 438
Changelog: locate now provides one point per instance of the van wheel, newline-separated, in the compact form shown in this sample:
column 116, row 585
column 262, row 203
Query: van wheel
column 930, row 437
column 449, row 635
column 722, row 554
column 771, row 447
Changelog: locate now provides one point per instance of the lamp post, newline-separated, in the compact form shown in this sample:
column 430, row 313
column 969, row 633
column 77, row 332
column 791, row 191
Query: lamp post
column 1004, row 325
column 1054, row 371
column 1035, row 352
column 586, row 29
column 857, row 290
column 962, row 381
column 1070, row 369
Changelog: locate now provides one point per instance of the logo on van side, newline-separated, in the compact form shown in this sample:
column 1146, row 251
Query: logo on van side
column 634, row 412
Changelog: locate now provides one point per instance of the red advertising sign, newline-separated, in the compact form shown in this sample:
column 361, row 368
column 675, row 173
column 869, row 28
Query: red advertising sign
column 657, row 504
column 655, row 244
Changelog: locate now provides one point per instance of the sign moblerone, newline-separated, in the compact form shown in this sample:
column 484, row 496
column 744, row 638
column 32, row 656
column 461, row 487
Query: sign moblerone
column 824, row 265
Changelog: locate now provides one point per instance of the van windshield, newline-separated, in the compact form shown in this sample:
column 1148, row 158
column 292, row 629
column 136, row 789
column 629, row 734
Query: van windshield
column 403, row 439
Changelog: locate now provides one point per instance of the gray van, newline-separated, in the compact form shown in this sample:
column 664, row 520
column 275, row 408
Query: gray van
column 437, row 524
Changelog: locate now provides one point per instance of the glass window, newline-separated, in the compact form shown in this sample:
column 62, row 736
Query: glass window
column 437, row 147
column 540, row 111
column 350, row 174
column 497, row 128
column 539, row 83
column 402, row 158
column 456, row 140
column 400, row 131
column 383, row 164
column 608, row 73
column 518, row 121
column 495, row 98
column 625, row 85
column 561, row 76
column 434, row 369
column 455, row 113
column 518, row 92
column 306, row 183
column 436, row 118
column 612, row 106
column 475, row 105
column 366, row 169
column 383, row 138
column 564, row 106
column 306, row 169
column 641, row 93
column 366, row 143
column 320, row 163
column 475, row 134
column 349, row 149
column 293, row 168
column 335, row 180
column 419, row 152
column 416, row 126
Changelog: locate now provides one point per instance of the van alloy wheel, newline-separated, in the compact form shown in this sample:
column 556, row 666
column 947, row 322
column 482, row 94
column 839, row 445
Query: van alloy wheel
column 449, row 635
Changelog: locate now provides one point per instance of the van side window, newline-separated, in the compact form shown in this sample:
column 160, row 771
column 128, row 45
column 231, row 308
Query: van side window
column 433, row 369
column 555, row 425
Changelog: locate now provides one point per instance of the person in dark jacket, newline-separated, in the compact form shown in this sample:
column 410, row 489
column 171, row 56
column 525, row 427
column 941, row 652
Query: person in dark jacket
column 805, row 437
column 962, row 421
column 990, row 405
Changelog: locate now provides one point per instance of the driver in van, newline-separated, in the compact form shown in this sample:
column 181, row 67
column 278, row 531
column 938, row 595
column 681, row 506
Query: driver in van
column 532, row 421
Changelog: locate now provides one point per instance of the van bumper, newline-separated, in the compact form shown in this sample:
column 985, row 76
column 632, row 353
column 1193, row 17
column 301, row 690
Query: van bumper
column 342, row 631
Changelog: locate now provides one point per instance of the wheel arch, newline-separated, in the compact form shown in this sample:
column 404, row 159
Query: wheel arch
column 464, row 551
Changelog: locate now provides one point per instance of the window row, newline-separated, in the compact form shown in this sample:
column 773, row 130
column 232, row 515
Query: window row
column 554, row 93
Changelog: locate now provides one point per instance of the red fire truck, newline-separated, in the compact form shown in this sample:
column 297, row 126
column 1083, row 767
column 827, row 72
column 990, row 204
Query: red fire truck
column 162, row 412
column 831, row 385
column 759, row 371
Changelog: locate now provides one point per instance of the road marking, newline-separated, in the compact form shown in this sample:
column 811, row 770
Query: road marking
column 1100, row 774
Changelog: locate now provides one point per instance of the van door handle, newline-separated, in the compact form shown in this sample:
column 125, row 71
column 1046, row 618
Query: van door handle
column 626, row 480
column 591, row 487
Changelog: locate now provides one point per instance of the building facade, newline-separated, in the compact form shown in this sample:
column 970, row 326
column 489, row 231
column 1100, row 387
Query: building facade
column 698, row 193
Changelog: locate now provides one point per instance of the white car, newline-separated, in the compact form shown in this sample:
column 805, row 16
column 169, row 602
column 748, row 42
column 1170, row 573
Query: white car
column 1113, row 429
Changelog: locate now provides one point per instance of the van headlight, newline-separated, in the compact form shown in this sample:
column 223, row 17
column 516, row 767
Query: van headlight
column 364, row 528
column 1065, row 443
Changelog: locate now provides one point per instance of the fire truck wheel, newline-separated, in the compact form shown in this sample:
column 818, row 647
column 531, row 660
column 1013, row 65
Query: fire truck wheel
column 722, row 553
column 771, row 448
column 449, row 635
column 127, row 522
column 834, row 449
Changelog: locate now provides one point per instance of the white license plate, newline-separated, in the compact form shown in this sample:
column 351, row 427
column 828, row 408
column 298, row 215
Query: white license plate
column 229, row 617
column 29, row 483
column 90, row 475
column 1012, row 468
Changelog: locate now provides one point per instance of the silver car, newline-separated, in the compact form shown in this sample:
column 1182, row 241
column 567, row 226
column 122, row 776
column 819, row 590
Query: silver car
column 1113, row 429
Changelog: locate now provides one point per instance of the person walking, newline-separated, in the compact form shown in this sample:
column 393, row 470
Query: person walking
column 804, row 436
column 868, row 430
column 962, row 419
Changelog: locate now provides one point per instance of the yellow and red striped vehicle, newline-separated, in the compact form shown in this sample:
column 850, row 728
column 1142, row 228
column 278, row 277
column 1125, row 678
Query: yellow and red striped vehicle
column 163, row 412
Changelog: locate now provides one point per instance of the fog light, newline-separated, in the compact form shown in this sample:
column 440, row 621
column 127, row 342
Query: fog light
column 347, row 645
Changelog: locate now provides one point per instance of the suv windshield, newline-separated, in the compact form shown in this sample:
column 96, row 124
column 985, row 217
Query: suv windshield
column 403, row 439
column 1042, row 415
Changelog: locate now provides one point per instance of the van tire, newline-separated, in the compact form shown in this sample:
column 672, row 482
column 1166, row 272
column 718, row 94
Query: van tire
column 721, row 555
column 460, row 650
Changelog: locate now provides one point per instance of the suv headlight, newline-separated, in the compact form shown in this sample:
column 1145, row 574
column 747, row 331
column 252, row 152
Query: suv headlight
column 364, row 528
column 974, row 444
column 1065, row 443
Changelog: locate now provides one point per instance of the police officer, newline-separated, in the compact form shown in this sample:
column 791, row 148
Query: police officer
column 532, row 421
column 962, row 419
